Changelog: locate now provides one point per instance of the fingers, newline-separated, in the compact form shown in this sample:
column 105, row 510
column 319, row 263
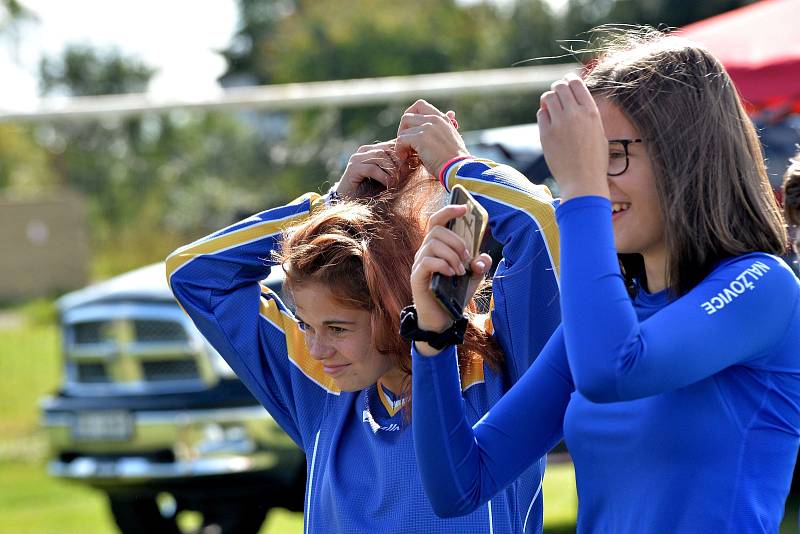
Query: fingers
column 431, row 134
column 452, row 116
column 572, row 136
column 563, row 90
column 409, row 140
column 581, row 93
column 422, row 112
column 368, row 162
column 424, row 108
column 372, row 163
column 567, row 95
column 445, row 214
column 543, row 119
column 550, row 101
column 439, row 254
column 444, row 244
column 362, row 171
column 480, row 265
column 381, row 145
column 414, row 120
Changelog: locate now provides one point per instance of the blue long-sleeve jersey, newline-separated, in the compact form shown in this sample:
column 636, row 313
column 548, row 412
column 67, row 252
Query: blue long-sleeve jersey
column 680, row 415
column 361, row 465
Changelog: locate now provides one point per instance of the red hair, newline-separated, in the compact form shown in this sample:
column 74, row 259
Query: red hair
column 363, row 251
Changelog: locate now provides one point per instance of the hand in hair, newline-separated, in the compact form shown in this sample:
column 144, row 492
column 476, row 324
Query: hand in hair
column 575, row 146
column 369, row 162
column 442, row 252
column 431, row 134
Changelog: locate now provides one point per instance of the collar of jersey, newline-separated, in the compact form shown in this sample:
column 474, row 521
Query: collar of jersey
column 390, row 401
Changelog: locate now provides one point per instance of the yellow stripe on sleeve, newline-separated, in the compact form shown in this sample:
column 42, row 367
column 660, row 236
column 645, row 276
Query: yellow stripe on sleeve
column 296, row 345
column 250, row 233
column 540, row 210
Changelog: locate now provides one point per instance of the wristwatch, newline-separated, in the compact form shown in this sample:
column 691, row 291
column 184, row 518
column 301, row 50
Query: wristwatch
column 409, row 329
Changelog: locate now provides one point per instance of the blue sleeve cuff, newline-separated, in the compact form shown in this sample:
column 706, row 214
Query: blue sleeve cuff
column 437, row 361
column 564, row 209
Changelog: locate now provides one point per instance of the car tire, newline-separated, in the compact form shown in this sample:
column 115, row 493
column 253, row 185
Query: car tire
column 134, row 515
column 140, row 514
column 233, row 517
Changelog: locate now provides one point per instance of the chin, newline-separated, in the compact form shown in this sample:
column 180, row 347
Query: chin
column 351, row 386
column 623, row 247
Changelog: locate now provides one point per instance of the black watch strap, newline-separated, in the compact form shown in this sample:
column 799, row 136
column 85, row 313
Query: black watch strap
column 409, row 329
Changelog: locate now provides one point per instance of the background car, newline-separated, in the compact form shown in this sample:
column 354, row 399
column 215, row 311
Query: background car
column 149, row 413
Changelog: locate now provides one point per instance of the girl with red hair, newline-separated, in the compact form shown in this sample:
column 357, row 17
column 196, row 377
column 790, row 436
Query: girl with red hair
column 333, row 370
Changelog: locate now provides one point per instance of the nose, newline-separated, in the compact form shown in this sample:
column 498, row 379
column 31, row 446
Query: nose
column 318, row 348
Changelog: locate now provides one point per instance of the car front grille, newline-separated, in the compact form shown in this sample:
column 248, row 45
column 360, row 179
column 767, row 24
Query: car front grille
column 130, row 351
column 89, row 332
column 92, row 373
column 148, row 330
column 156, row 371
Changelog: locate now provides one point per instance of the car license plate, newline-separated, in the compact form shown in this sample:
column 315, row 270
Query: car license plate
column 101, row 426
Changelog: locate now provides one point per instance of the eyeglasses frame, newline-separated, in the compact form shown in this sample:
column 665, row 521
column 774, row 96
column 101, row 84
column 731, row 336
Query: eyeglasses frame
column 624, row 143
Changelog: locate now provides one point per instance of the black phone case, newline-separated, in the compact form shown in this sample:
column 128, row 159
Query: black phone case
column 451, row 291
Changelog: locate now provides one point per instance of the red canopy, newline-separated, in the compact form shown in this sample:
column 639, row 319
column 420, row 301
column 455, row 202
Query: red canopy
column 759, row 45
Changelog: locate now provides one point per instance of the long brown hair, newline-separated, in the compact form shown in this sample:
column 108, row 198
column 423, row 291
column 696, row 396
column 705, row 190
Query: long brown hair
column 363, row 251
column 712, row 185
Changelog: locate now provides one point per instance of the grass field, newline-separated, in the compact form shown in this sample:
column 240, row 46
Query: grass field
column 32, row 502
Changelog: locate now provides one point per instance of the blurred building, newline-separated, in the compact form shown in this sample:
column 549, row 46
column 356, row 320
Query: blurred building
column 44, row 246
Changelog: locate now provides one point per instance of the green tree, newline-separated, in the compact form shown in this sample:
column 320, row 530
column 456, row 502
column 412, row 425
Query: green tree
column 532, row 33
column 24, row 168
column 12, row 15
column 24, row 165
column 249, row 54
column 84, row 71
column 283, row 41
column 152, row 181
column 301, row 41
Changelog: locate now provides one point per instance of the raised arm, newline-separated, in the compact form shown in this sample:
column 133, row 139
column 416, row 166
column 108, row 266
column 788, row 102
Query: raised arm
column 216, row 281
column 737, row 315
column 462, row 468
column 521, row 217
column 525, row 287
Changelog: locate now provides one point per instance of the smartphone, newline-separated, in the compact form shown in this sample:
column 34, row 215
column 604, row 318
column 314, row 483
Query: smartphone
column 451, row 291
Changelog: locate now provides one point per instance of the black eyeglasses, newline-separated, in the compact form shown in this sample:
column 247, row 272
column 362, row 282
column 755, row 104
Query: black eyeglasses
column 618, row 155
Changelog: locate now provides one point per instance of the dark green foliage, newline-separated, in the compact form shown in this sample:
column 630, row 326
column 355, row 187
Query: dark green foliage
column 83, row 71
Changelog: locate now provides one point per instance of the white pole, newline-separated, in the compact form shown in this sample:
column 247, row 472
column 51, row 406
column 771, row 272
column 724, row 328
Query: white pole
column 341, row 93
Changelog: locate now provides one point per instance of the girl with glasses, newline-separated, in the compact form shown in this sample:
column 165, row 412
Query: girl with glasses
column 675, row 376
